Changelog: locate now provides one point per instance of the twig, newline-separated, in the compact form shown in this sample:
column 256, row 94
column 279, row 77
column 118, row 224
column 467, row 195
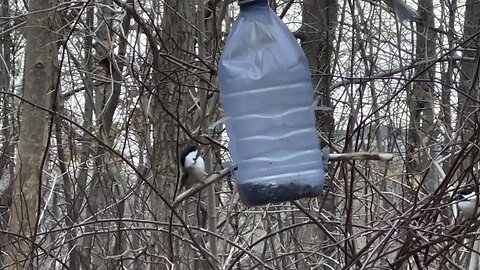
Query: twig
column 197, row 187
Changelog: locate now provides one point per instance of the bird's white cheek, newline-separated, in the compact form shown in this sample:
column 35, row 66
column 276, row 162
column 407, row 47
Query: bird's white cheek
column 199, row 166
column 191, row 159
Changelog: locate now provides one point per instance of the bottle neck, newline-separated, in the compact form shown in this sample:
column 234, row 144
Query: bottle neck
column 247, row 4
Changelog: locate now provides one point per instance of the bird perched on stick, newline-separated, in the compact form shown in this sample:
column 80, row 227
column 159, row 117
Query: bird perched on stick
column 402, row 10
column 467, row 201
column 192, row 167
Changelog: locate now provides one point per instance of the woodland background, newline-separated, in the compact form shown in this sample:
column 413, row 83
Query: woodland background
column 98, row 97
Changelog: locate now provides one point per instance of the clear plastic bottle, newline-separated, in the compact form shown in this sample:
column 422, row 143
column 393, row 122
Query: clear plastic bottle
column 267, row 96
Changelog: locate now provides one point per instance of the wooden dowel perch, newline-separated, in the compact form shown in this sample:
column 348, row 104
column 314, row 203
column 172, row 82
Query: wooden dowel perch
column 331, row 157
column 361, row 156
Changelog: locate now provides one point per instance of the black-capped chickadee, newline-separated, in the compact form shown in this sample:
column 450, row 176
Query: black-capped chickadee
column 402, row 10
column 192, row 167
column 467, row 201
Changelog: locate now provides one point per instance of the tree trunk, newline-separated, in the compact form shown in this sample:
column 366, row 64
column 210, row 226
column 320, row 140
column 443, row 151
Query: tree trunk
column 421, row 127
column 317, row 33
column 40, row 59
column 75, row 200
column 6, row 160
column 468, row 116
column 469, row 80
column 172, row 100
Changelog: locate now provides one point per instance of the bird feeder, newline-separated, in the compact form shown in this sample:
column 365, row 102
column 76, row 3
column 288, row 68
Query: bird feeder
column 266, row 91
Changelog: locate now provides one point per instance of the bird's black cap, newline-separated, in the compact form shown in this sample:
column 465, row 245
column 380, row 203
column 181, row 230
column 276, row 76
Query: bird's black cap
column 466, row 191
column 463, row 192
column 185, row 153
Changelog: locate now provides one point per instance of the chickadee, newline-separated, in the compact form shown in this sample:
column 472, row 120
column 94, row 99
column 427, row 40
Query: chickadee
column 467, row 201
column 402, row 10
column 192, row 166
